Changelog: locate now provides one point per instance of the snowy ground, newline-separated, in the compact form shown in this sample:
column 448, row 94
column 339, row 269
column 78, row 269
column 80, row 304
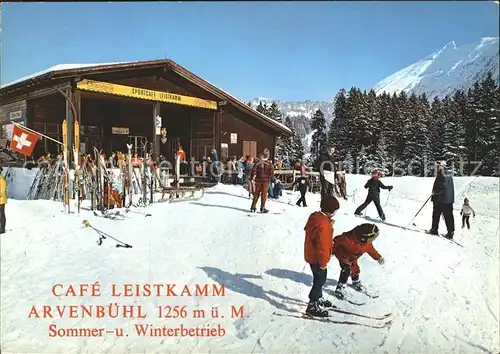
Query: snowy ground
column 444, row 298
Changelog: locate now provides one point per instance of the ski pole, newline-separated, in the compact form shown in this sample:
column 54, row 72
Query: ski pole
column 418, row 212
column 103, row 236
column 388, row 194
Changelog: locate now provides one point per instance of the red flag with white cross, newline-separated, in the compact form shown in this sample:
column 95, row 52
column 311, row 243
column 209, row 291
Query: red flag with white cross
column 23, row 141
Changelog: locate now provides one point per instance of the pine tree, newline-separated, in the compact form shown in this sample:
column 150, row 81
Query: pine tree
column 318, row 125
column 454, row 132
column 383, row 156
column 489, row 129
column 275, row 113
column 415, row 132
column 263, row 108
column 339, row 133
column 436, row 130
column 298, row 148
column 249, row 104
column 361, row 159
column 285, row 147
column 348, row 163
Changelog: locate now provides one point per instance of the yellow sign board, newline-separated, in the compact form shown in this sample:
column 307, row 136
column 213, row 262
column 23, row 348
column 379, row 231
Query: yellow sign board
column 144, row 94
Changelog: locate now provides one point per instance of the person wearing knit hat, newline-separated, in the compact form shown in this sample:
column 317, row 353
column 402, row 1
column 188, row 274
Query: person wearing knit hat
column 318, row 246
column 373, row 186
column 348, row 247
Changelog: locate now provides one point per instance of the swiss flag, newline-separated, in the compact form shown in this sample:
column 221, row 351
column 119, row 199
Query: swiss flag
column 23, row 141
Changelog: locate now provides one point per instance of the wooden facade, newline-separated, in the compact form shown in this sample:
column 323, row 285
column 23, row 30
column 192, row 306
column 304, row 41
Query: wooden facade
column 109, row 121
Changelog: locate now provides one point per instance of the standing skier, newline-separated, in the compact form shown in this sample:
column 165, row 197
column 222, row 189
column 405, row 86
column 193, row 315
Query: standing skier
column 303, row 185
column 465, row 212
column 373, row 186
column 348, row 247
column 443, row 197
column 318, row 247
column 263, row 173
column 326, row 162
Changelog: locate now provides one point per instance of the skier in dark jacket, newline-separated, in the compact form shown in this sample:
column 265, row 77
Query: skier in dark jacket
column 303, row 185
column 326, row 162
column 443, row 197
column 373, row 186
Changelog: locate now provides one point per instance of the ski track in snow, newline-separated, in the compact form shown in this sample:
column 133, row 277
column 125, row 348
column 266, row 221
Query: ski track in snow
column 444, row 298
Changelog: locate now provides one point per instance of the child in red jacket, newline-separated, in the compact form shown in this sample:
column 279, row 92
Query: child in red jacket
column 318, row 245
column 348, row 247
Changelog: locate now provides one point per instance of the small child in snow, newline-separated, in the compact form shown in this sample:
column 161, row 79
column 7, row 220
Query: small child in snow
column 318, row 246
column 348, row 247
column 465, row 212
column 303, row 184
column 373, row 186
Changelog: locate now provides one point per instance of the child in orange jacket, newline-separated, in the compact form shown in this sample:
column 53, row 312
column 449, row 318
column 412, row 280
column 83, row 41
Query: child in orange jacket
column 348, row 247
column 318, row 245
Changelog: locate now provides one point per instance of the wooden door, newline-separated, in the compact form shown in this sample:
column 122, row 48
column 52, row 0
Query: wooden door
column 250, row 148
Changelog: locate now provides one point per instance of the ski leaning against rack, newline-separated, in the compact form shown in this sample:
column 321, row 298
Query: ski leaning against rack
column 103, row 236
column 302, row 315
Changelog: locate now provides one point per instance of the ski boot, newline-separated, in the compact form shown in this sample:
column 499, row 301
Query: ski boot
column 253, row 209
column 449, row 235
column 325, row 303
column 264, row 210
column 340, row 291
column 356, row 285
column 433, row 232
column 314, row 310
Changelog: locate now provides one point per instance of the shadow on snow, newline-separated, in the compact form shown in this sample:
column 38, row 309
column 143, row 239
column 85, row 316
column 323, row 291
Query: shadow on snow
column 239, row 283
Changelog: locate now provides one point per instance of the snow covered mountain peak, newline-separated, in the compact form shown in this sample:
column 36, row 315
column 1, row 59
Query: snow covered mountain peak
column 446, row 70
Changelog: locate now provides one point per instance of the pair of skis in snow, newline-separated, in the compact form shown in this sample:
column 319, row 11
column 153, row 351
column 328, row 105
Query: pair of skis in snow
column 383, row 321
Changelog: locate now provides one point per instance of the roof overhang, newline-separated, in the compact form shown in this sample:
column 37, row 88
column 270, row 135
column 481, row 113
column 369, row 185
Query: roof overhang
column 74, row 73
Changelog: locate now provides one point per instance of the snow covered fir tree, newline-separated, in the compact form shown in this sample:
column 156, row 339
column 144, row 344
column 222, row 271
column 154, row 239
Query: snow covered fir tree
column 404, row 132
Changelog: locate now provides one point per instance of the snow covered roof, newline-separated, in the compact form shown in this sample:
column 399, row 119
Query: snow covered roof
column 176, row 67
column 58, row 67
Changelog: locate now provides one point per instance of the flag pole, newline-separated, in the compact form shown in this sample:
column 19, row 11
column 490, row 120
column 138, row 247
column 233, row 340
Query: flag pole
column 34, row 131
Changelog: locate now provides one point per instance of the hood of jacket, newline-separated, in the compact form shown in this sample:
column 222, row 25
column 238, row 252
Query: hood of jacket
column 315, row 220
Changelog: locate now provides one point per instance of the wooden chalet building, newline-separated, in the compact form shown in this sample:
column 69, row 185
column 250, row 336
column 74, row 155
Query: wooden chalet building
column 122, row 103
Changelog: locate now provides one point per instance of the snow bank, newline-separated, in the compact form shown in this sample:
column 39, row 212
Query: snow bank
column 444, row 298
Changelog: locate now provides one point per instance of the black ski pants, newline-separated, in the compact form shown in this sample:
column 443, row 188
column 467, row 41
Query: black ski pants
column 445, row 209
column 346, row 270
column 326, row 188
column 375, row 198
column 3, row 221
column 302, row 199
column 319, row 279
column 465, row 219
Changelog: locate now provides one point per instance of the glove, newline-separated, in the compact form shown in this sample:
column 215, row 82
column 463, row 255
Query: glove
column 474, row 215
column 381, row 260
column 460, row 213
column 390, row 188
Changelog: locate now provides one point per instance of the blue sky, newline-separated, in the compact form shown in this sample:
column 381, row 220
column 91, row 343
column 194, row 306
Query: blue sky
column 281, row 50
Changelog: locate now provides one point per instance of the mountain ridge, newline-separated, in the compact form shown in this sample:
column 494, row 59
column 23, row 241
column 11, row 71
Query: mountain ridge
column 439, row 73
